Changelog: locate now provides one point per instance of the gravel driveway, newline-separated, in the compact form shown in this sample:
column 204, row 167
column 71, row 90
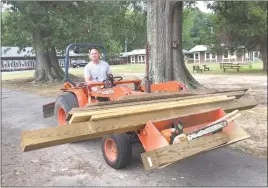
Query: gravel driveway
column 82, row 164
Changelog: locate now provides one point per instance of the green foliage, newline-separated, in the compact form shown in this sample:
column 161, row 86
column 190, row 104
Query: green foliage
column 135, row 29
column 196, row 28
column 241, row 23
column 65, row 22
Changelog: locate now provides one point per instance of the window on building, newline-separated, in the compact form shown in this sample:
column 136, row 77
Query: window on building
column 213, row 56
column 196, row 56
column 139, row 58
column 207, row 55
column 143, row 58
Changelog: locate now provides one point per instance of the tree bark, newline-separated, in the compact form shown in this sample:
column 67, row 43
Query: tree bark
column 57, row 72
column 47, row 66
column 263, row 53
column 164, row 28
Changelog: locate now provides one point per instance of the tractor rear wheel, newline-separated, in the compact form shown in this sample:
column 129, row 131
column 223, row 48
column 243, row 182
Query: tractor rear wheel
column 117, row 150
column 64, row 103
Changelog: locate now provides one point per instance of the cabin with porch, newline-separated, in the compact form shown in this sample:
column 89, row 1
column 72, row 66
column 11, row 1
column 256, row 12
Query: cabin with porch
column 200, row 54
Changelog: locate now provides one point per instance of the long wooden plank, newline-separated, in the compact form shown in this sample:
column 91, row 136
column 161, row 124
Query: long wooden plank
column 182, row 93
column 143, row 110
column 164, row 95
column 169, row 154
column 148, row 106
column 236, row 94
column 116, row 112
column 52, row 136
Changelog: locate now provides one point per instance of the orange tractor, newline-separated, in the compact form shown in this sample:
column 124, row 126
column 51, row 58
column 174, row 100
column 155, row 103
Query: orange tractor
column 80, row 95
column 111, row 89
column 116, row 148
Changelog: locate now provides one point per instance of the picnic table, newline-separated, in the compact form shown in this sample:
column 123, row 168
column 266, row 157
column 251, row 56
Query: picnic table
column 226, row 66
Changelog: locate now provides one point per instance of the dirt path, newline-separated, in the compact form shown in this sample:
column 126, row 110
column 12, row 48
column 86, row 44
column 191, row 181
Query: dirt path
column 254, row 121
column 82, row 164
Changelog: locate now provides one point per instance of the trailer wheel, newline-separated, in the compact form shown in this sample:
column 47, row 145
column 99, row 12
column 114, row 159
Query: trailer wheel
column 117, row 150
column 64, row 103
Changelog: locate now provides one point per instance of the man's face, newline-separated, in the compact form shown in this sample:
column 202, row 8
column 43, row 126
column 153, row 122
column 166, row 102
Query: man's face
column 94, row 55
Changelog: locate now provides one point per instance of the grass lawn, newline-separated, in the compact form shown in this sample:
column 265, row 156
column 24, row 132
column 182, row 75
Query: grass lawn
column 120, row 69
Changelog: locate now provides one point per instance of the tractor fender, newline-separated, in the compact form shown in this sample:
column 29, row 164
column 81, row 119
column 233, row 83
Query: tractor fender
column 81, row 95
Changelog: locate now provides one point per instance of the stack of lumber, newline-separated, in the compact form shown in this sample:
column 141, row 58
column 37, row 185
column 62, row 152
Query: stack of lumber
column 128, row 115
column 160, row 97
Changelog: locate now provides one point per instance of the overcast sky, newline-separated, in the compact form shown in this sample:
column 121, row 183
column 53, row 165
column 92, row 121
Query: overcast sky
column 202, row 6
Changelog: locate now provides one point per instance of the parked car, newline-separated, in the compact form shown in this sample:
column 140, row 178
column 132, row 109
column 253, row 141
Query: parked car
column 79, row 63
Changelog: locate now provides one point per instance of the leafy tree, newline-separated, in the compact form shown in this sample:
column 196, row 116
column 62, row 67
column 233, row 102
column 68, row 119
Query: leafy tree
column 188, row 22
column 30, row 23
column 135, row 29
column 52, row 26
column 242, row 23
column 202, row 27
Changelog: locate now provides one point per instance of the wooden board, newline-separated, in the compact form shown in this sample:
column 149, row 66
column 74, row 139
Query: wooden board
column 52, row 136
column 137, row 109
column 160, row 95
column 236, row 94
column 179, row 104
column 164, row 95
column 169, row 154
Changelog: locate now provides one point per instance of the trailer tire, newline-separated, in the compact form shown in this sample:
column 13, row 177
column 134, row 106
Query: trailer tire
column 64, row 103
column 121, row 143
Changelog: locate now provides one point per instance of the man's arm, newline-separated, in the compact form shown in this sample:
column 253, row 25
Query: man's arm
column 88, row 80
column 109, row 70
column 87, row 76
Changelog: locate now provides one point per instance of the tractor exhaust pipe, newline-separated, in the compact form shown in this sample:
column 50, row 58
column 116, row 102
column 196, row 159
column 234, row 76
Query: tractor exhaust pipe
column 147, row 80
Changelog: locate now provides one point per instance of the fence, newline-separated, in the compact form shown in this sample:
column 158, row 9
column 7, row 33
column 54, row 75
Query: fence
column 25, row 63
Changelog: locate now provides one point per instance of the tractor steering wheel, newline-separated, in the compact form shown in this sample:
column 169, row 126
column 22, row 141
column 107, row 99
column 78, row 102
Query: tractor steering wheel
column 111, row 78
column 119, row 78
column 109, row 82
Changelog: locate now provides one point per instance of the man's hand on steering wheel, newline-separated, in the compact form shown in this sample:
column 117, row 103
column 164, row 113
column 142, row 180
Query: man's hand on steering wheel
column 109, row 82
column 112, row 78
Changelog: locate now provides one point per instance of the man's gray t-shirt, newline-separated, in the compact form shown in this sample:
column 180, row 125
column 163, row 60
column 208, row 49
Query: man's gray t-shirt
column 97, row 72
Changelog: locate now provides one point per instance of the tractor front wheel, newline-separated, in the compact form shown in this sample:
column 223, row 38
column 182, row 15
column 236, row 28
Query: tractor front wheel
column 64, row 103
column 117, row 150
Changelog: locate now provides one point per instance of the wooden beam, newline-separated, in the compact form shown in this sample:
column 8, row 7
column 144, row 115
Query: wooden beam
column 179, row 104
column 137, row 109
column 183, row 93
column 236, row 94
column 46, row 137
column 169, row 154
column 165, row 95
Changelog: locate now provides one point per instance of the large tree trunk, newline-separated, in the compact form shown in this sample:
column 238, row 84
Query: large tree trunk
column 56, row 70
column 263, row 53
column 164, row 28
column 47, row 66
